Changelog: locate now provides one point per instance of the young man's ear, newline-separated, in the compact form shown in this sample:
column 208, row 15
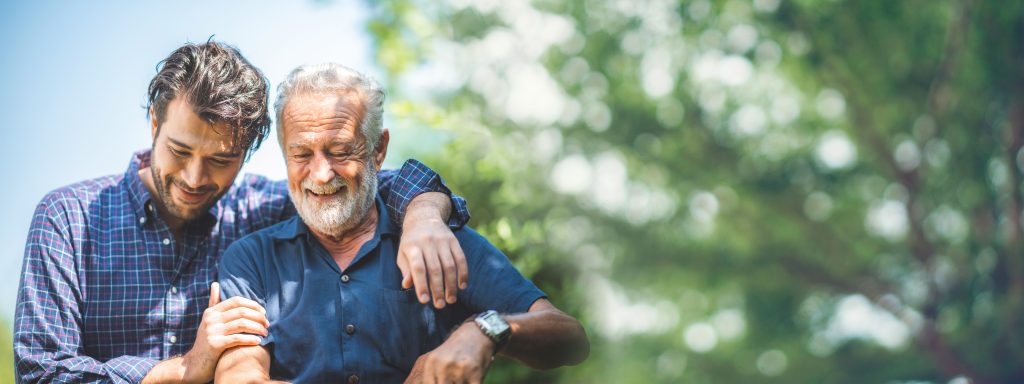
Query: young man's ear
column 382, row 148
column 152, row 122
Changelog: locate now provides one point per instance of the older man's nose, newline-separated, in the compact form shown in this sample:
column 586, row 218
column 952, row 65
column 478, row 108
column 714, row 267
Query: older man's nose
column 321, row 172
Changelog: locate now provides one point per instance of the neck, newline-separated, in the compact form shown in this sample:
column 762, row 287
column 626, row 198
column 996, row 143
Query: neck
column 343, row 247
column 174, row 223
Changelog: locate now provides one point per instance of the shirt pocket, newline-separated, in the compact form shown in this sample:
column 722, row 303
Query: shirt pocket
column 296, row 348
column 407, row 329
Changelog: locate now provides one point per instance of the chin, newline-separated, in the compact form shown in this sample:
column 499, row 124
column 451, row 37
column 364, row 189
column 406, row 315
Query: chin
column 190, row 212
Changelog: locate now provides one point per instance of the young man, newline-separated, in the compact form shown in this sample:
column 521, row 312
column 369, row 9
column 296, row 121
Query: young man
column 116, row 283
column 329, row 279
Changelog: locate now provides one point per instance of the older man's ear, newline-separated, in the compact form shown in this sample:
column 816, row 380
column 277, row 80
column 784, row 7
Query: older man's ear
column 382, row 147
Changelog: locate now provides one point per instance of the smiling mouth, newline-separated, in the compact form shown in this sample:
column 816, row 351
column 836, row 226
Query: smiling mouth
column 191, row 197
column 324, row 195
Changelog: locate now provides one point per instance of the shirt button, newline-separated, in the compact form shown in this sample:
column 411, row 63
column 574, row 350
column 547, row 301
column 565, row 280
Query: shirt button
column 173, row 339
column 353, row 379
column 350, row 329
column 142, row 220
column 167, row 241
column 174, row 289
column 344, row 278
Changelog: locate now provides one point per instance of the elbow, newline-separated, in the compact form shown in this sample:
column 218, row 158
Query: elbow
column 579, row 348
column 574, row 350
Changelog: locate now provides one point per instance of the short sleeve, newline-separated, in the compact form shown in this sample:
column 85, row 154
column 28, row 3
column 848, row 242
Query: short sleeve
column 239, row 275
column 495, row 283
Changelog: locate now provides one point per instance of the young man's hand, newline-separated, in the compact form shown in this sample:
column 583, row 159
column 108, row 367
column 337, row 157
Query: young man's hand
column 429, row 255
column 227, row 324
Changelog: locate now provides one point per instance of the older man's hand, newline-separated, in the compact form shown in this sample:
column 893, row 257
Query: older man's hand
column 464, row 358
column 429, row 255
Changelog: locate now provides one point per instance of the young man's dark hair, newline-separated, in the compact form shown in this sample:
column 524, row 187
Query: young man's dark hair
column 220, row 85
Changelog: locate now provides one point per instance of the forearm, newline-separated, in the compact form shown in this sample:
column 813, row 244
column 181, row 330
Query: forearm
column 249, row 365
column 428, row 206
column 243, row 377
column 414, row 179
column 168, row 371
column 545, row 339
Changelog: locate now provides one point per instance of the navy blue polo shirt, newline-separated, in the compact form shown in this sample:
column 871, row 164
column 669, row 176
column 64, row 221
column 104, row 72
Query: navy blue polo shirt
column 328, row 324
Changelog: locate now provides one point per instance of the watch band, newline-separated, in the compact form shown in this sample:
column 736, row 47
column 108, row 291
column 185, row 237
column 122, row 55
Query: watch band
column 495, row 327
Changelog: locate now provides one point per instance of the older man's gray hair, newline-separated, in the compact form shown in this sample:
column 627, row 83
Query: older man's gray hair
column 333, row 78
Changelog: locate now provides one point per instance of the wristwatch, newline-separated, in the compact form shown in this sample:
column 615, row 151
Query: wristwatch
column 492, row 325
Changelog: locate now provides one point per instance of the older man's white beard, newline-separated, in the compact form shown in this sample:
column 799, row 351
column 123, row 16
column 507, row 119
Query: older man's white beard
column 341, row 214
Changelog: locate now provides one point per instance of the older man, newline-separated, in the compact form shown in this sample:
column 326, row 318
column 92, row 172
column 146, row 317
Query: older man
column 329, row 280
column 117, row 269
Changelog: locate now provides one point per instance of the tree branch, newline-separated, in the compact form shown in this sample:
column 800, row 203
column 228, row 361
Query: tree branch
column 938, row 92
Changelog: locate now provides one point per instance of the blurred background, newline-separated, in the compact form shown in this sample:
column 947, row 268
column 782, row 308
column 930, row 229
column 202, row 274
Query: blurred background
column 762, row 191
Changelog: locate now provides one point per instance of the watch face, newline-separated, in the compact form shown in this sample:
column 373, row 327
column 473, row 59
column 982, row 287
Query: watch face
column 494, row 323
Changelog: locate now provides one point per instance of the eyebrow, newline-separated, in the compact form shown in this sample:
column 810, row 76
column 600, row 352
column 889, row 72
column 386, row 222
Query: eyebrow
column 230, row 155
column 298, row 145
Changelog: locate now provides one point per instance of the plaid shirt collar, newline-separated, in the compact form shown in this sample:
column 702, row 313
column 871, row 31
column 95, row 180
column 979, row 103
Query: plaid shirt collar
column 142, row 201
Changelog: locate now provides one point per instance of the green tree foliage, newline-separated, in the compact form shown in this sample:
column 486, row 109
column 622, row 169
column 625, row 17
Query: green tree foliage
column 6, row 352
column 738, row 191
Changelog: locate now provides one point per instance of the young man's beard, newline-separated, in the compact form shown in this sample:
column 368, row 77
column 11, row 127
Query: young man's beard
column 343, row 213
column 162, row 185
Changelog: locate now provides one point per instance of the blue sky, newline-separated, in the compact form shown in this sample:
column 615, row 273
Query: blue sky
column 74, row 75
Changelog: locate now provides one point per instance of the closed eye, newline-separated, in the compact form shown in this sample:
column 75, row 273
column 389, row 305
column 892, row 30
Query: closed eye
column 178, row 153
column 220, row 162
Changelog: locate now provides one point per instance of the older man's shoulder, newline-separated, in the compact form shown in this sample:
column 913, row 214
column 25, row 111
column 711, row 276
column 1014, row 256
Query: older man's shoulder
column 261, row 241
column 283, row 230
column 474, row 244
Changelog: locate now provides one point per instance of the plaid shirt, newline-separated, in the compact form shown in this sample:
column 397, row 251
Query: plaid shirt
column 107, row 292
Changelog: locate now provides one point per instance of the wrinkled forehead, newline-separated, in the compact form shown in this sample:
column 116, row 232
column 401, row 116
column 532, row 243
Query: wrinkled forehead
column 322, row 112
